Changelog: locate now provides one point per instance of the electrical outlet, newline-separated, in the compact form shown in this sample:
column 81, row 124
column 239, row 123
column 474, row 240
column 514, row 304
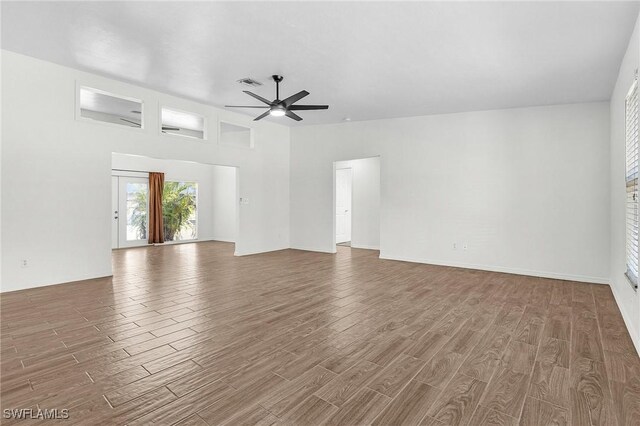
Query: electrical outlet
column 455, row 246
column 24, row 263
column 464, row 246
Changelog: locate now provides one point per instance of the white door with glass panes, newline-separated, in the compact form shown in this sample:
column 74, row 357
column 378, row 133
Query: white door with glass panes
column 130, row 209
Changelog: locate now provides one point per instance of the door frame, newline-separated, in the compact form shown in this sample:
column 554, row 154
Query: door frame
column 335, row 204
column 122, row 211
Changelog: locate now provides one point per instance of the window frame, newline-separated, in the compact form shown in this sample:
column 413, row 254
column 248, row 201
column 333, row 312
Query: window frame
column 197, row 183
column 78, row 108
column 205, row 124
column 633, row 92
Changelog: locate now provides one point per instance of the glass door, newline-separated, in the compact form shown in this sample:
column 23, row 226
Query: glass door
column 133, row 203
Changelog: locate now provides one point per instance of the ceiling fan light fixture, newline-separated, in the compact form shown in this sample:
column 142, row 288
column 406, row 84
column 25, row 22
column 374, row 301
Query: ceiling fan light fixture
column 277, row 107
column 277, row 111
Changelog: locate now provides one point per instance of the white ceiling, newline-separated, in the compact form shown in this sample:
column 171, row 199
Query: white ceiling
column 366, row 60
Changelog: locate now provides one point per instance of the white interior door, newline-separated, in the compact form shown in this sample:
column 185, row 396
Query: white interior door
column 115, row 208
column 133, row 209
column 343, row 205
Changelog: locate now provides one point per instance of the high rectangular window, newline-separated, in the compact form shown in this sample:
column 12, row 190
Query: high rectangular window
column 99, row 105
column 631, row 136
column 181, row 123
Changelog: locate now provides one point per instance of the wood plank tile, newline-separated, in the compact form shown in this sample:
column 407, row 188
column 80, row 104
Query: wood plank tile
column 241, row 400
column 458, row 401
column 186, row 406
column 343, row 387
column 440, row 369
column 486, row 417
column 313, row 410
column 539, row 413
column 550, row 383
column 519, row 357
column 133, row 390
column 255, row 415
column 485, row 357
column 626, row 397
column 295, row 392
column 506, row 392
column 427, row 345
column 362, row 409
column 410, row 406
column 396, row 375
column 297, row 332
column 590, row 391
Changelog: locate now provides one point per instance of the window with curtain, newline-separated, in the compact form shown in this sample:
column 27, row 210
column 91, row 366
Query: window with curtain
column 631, row 135
column 180, row 211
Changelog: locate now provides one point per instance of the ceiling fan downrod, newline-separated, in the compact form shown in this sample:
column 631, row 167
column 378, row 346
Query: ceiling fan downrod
column 277, row 79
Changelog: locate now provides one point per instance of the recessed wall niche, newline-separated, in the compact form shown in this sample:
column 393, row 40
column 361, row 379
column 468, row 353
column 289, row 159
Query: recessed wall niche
column 235, row 135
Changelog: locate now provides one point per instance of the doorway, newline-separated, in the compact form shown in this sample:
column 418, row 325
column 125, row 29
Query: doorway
column 356, row 212
column 344, row 188
column 199, row 202
column 130, row 205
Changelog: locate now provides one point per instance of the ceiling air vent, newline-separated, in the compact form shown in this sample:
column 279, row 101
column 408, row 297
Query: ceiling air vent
column 248, row 81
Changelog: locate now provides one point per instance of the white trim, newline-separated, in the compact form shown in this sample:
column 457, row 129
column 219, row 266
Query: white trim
column 506, row 270
column 365, row 247
column 313, row 249
column 635, row 337
column 249, row 253
column 222, row 240
column 75, row 279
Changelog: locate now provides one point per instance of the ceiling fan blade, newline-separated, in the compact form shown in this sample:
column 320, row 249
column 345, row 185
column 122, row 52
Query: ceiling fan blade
column 295, row 98
column 258, row 97
column 246, row 106
column 129, row 121
column 291, row 114
column 307, row 107
column 261, row 116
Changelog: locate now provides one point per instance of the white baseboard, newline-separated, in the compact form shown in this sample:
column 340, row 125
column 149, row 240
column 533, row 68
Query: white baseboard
column 314, row 249
column 635, row 337
column 249, row 253
column 358, row 246
column 71, row 279
column 507, row 270
column 224, row 240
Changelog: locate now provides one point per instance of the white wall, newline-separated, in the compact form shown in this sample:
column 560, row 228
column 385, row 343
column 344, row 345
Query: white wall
column 527, row 189
column 56, row 172
column 365, row 201
column 628, row 300
column 225, row 204
column 217, row 198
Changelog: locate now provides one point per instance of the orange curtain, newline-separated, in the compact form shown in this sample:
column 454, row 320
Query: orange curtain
column 156, row 186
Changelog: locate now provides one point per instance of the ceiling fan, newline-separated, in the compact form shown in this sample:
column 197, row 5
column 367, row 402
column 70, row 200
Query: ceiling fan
column 278, row 107
column 164, row 128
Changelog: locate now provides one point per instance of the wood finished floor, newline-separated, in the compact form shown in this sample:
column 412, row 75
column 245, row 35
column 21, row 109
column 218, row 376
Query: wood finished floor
column 191, row 335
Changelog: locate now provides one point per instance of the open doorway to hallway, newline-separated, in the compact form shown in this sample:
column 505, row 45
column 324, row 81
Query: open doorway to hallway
column 357, row 203
column 199, row 201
